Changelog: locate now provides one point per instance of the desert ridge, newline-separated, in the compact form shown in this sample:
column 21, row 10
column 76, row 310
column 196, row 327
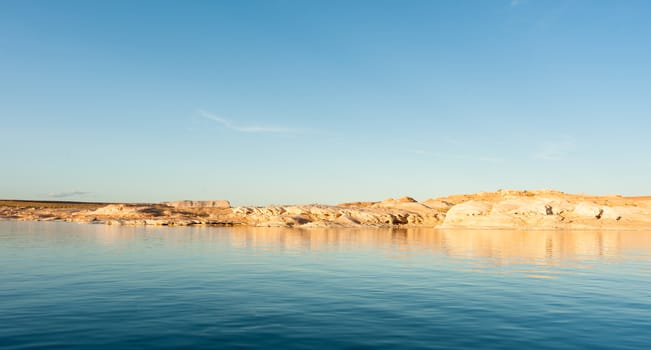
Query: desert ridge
column 504, row 209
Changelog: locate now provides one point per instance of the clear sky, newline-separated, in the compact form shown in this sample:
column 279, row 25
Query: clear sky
column 264, row 102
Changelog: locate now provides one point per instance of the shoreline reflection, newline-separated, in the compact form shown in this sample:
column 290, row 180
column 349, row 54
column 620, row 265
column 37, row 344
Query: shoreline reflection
column 500, row 247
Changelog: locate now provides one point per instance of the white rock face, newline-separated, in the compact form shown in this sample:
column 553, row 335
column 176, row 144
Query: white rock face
column 469, row 208
column 614, row 213
column 523, row 206
column 588, row 210
column 117, row 210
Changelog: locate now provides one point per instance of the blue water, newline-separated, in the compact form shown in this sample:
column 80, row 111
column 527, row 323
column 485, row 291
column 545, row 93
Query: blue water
column 109, row 287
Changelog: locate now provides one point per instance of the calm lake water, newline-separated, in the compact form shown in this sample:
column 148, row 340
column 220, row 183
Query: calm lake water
column 106, row 287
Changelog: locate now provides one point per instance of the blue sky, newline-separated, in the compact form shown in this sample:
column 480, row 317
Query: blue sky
column 264, row 102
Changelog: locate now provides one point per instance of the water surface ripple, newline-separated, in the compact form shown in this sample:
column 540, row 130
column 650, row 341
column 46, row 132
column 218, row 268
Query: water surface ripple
column 111, row 287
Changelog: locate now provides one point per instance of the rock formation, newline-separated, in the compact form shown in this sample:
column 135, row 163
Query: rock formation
column 501, row 209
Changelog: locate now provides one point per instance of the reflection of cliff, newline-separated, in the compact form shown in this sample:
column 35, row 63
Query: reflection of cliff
column 541, row 247
column 502, row 246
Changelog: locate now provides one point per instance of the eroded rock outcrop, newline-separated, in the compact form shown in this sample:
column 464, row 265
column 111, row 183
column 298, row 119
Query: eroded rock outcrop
column 501, row 209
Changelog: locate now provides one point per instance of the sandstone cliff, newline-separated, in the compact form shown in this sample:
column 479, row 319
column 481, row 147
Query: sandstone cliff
column 501, row 209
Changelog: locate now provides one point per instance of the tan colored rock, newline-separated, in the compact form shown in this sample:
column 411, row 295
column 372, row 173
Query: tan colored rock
column 437, row 204
column 464, row 212
column 543, row 209
column 347, row 220
column 469, row 208
column 523, row 207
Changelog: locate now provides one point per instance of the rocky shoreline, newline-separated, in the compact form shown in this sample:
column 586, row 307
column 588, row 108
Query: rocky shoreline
column 495, row 210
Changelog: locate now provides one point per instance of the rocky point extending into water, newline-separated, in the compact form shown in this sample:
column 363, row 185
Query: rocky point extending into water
column 502, row 209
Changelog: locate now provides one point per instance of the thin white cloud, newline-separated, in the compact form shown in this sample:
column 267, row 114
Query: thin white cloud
column 67, row 194
column 515, row 3
column 557, row 149
column 247, row 128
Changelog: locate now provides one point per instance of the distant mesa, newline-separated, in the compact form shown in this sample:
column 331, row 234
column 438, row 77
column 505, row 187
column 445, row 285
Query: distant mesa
column 220, row 204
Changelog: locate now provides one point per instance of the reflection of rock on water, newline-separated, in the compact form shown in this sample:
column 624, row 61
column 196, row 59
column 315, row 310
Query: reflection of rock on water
column 535, row 245
column 504, row 246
